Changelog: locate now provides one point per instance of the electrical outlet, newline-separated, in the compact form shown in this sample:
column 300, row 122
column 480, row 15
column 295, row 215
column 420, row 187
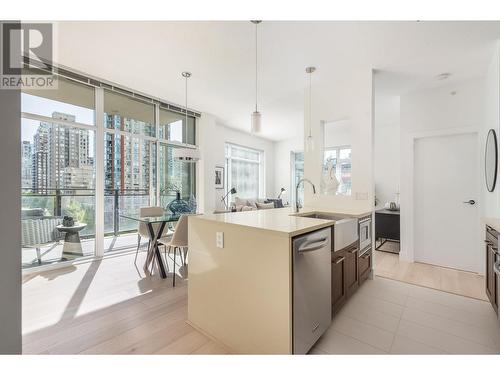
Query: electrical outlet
column 219, row 239
column 361, row 196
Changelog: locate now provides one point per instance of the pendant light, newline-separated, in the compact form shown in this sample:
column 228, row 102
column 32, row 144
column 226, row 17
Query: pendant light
column 186, row 75
column 256, row 116
column 309, row 139
column 188, row 155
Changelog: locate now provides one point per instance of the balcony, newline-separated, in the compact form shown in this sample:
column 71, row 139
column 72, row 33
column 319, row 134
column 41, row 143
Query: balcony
column 120, row 234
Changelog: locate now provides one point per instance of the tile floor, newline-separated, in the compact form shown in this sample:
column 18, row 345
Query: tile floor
column 391, row 317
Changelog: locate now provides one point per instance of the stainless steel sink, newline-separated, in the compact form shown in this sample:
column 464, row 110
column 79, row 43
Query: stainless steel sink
column 321, row 215
column 345, row 229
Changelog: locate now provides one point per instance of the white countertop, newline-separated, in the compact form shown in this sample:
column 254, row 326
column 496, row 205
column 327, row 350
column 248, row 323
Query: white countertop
column 280, row 220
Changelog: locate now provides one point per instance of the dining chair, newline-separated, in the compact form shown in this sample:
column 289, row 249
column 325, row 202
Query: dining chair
column 178, row 240
column 143, row 230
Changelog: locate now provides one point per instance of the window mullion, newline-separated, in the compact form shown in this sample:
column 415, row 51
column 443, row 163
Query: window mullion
column 99, row 172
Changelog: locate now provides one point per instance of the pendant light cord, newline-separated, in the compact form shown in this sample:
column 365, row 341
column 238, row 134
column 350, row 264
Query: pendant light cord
column 256, row 72
column 186, row 100
column 310, row 101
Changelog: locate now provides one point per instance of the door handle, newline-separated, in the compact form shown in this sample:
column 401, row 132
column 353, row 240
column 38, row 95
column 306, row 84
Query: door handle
column 353, row 251
column 470, row 201
column 338, row 260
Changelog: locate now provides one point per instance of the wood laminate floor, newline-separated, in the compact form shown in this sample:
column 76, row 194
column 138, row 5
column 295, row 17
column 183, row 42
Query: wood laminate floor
column 463, row 283
column 108, row 307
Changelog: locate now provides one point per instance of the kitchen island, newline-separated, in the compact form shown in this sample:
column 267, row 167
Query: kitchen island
column 240, row 289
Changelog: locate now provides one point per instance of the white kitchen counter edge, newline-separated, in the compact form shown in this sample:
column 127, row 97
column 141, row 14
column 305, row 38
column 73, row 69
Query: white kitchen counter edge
column 306, row 224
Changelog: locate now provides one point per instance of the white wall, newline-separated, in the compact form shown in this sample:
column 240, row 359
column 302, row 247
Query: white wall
column 337, row 133
column 351, row 100
column 212, row 137
column 282, row 166
column 10, row 217
column 428, row 112
column 386, row 148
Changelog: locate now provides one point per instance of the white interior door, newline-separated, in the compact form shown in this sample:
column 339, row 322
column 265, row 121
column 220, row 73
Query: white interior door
column 446, row 175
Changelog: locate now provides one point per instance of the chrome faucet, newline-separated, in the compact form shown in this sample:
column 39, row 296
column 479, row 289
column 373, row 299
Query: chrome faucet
column 297, row 206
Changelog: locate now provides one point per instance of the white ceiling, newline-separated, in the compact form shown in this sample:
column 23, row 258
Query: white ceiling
column 150, row 56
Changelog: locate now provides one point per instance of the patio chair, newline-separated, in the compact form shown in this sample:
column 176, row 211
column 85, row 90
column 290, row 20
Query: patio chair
column 38, row 232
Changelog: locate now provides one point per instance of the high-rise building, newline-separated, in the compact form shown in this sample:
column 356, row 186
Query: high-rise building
column 40, row 166
column 61, row 156
column 126, row 159
column 26, row 167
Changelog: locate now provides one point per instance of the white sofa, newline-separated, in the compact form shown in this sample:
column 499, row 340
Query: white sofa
column 244, row 204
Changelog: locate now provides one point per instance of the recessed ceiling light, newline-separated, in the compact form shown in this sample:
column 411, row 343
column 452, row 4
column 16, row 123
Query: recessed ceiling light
column 442, row 76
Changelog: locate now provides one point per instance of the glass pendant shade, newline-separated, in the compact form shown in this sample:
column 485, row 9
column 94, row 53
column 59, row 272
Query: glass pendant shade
column 256, row 122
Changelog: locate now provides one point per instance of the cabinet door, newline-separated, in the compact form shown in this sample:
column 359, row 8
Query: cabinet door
column 352, row 272
column 338, row 281
column 365, row 266
column 491, row 276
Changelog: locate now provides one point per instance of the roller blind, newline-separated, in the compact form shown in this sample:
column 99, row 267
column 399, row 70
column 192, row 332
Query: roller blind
column 127, row 107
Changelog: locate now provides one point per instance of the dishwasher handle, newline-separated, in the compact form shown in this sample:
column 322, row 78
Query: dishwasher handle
column 314, row 245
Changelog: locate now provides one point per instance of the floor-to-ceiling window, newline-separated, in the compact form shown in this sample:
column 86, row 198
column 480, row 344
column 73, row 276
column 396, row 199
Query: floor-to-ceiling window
column 244, row 171
column 129, row 133
column 58, row 171
column 60, row 129
column 175, row 130
column 297, row 173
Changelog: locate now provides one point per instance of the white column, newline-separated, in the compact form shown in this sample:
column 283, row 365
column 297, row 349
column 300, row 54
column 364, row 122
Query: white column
column 99, row 172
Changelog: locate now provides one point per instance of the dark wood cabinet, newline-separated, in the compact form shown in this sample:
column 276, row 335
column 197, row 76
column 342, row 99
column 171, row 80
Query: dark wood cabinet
column 351, row 272
column 339, row 294
column 345, row 275
column 365, row 265
column 491, row 276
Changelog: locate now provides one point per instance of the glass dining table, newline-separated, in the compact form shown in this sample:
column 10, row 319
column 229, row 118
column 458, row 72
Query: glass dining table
column 155, row 235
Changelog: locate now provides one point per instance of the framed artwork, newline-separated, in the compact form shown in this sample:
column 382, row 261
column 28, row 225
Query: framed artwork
column 219, row 177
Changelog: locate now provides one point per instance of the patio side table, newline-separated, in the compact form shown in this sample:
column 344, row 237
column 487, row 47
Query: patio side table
column 72, row 247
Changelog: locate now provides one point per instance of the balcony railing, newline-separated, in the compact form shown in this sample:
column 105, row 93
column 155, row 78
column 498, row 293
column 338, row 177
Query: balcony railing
column 80, row 204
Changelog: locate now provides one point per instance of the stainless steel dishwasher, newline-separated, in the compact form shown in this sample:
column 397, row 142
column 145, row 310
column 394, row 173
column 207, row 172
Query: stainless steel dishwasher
column 311, row 288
